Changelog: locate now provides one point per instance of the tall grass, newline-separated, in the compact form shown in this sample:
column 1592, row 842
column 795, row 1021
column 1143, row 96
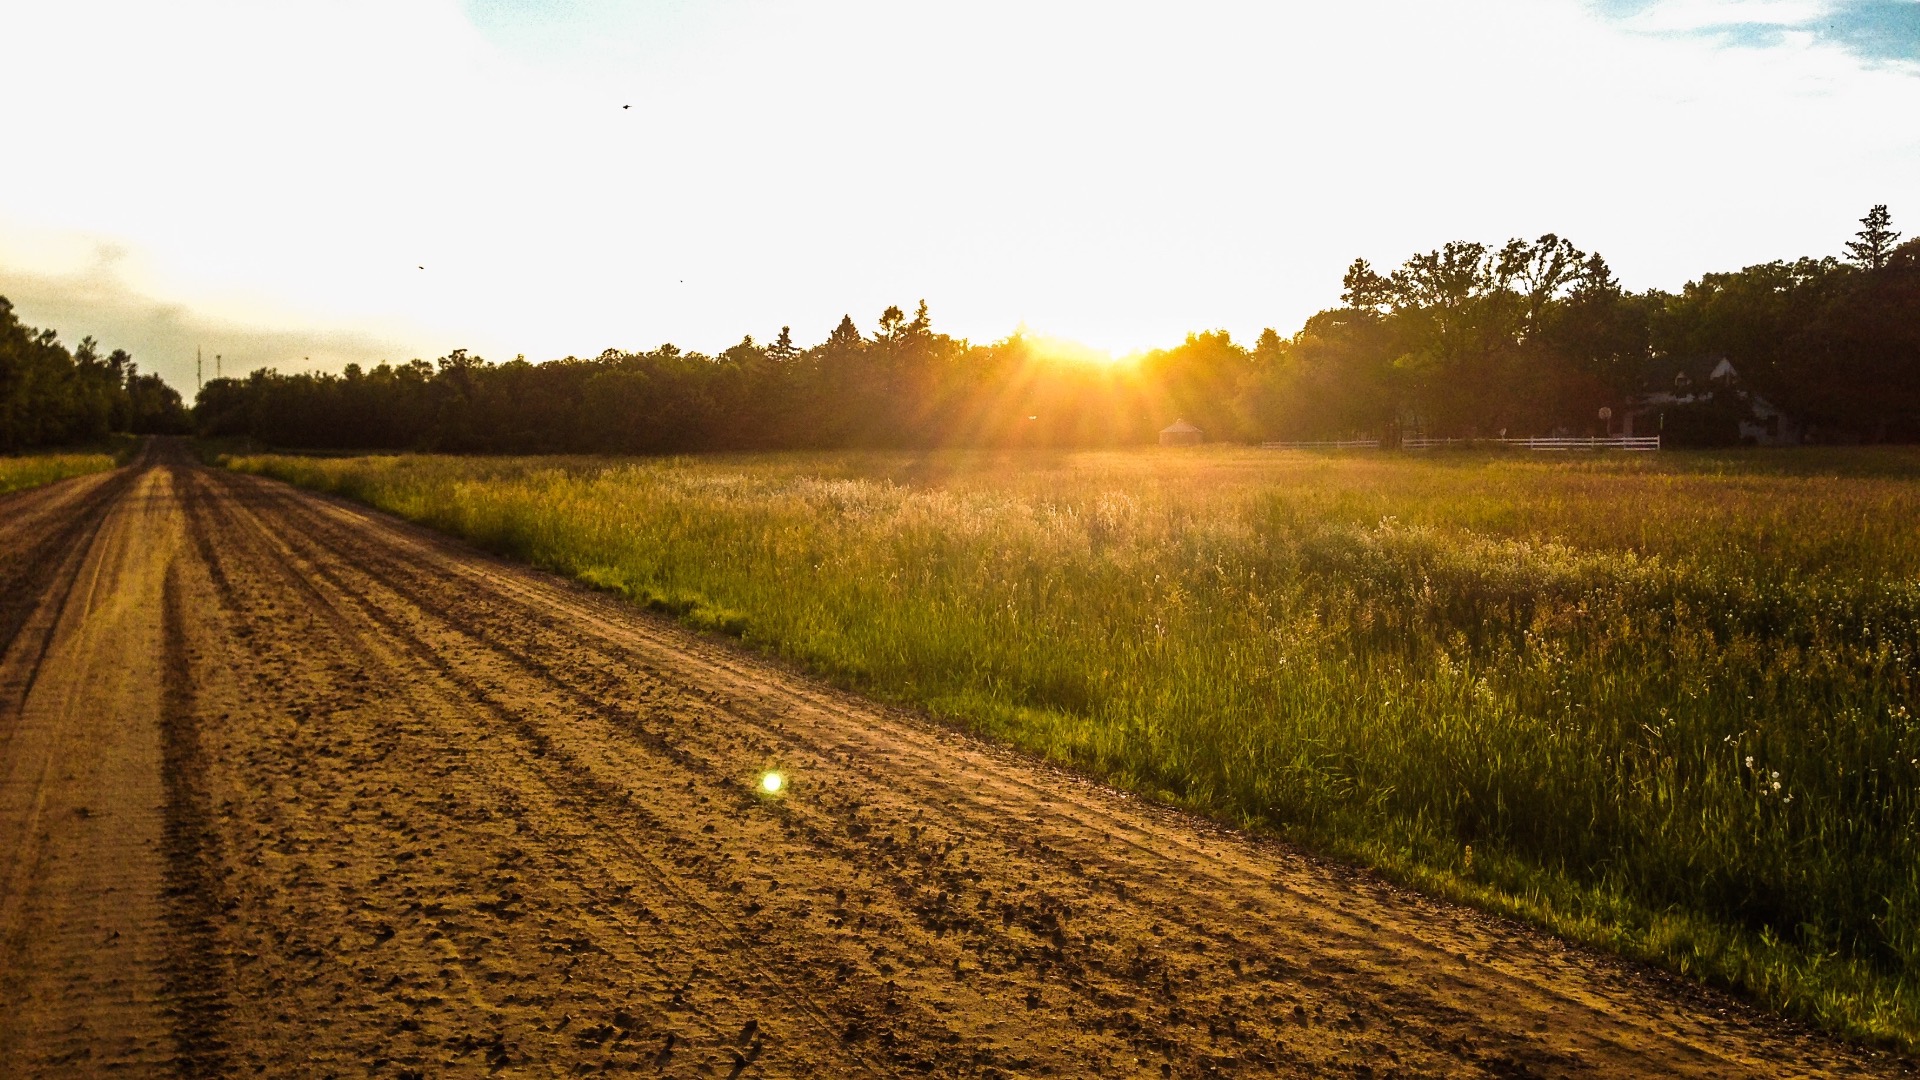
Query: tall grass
column 1661, row 705
column 33, row 470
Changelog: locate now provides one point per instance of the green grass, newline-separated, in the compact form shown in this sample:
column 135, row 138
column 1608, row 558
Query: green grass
column 33, row 470
column 1663, row 704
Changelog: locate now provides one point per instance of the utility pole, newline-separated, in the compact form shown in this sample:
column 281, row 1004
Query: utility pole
column 216, row 365
column 197, row 381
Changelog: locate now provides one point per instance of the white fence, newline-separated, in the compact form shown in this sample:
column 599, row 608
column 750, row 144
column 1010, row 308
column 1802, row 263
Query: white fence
column 1324, row 444
column 1537, row 442
column 1541, row 442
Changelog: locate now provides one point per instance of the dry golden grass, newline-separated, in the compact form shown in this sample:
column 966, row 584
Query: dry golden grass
column 33, row 470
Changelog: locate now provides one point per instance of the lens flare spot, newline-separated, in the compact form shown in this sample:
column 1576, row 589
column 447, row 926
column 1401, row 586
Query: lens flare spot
column 773, row 783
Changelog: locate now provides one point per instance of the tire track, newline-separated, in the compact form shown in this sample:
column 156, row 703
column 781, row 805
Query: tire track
column 334, row 598
column 197, row 983
column 39, row 569
column 84, row 931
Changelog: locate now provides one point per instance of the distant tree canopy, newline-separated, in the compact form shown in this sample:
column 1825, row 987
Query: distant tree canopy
column 50, row 396
column 903, row 385
column 1470, row 340
column 1535, row 337
column 1464, row 340
column 1835, row 345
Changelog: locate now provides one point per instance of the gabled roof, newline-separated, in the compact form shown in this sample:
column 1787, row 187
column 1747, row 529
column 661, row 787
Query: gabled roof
column 1696, row 373
column 1180, row 427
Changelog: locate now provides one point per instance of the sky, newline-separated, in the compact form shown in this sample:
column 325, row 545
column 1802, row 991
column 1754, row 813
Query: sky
column 309, row 183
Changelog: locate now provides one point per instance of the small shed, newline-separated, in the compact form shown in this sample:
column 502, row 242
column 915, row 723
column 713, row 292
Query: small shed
column 1181, row 433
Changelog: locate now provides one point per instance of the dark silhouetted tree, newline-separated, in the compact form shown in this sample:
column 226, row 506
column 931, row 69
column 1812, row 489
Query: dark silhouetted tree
column 52, row 397
column 1874, row 243
column 1528, row 337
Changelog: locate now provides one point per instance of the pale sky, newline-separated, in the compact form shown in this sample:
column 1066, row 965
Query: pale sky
column 268, row 180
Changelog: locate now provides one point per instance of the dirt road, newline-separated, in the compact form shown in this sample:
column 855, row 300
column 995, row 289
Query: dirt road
column 287, row 787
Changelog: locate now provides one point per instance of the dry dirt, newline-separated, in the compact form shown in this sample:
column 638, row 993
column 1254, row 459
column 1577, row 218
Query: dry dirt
column 290, row 788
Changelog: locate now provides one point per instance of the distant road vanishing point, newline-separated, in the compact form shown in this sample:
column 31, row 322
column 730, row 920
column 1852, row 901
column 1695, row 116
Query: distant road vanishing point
column 288, row 787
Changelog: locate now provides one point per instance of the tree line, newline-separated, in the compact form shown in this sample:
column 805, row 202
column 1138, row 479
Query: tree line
column 53, row 396
column 1538, row 336
column 903, row 385
column 1470, row 340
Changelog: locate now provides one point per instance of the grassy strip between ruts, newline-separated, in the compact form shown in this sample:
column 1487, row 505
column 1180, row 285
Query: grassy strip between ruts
column 1663, row 705
column 33, row 470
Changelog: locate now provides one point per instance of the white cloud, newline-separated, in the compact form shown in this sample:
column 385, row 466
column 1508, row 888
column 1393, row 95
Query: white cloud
column 1687, row 15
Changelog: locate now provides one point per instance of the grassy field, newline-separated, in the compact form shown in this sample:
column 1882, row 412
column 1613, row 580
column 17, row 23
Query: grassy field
column 1664, row 704
column 32, row 470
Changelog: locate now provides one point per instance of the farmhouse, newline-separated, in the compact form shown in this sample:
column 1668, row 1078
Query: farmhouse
column 1181, row 433
column 1703, row 402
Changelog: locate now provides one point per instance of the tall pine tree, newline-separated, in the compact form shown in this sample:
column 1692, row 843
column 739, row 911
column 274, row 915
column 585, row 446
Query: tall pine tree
column 1873, row 245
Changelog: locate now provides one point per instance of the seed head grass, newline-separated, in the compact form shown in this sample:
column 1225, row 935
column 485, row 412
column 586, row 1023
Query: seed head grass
column 33, row 470
column 1663, row 705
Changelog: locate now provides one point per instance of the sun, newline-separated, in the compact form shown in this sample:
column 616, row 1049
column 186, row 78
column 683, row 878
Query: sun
column 1067, row 350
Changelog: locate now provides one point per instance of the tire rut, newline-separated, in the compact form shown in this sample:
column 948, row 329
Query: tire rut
column 86, row 973
column 198, row 981
column 39, row 571
column 335, row 598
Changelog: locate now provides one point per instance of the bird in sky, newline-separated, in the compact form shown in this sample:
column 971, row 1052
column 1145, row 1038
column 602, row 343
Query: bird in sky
column 626, row 106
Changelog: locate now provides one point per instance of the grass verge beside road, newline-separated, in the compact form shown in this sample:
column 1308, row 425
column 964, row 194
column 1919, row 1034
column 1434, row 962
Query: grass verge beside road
column 33, row 470
column 1664, row 705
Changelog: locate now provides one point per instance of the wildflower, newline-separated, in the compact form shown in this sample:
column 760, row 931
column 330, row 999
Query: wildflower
column 1749, row 761
column 1776, row 785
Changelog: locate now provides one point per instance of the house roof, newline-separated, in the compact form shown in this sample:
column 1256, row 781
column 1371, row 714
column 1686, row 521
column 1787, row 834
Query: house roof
column 1664, row 373
column 1180, row 427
